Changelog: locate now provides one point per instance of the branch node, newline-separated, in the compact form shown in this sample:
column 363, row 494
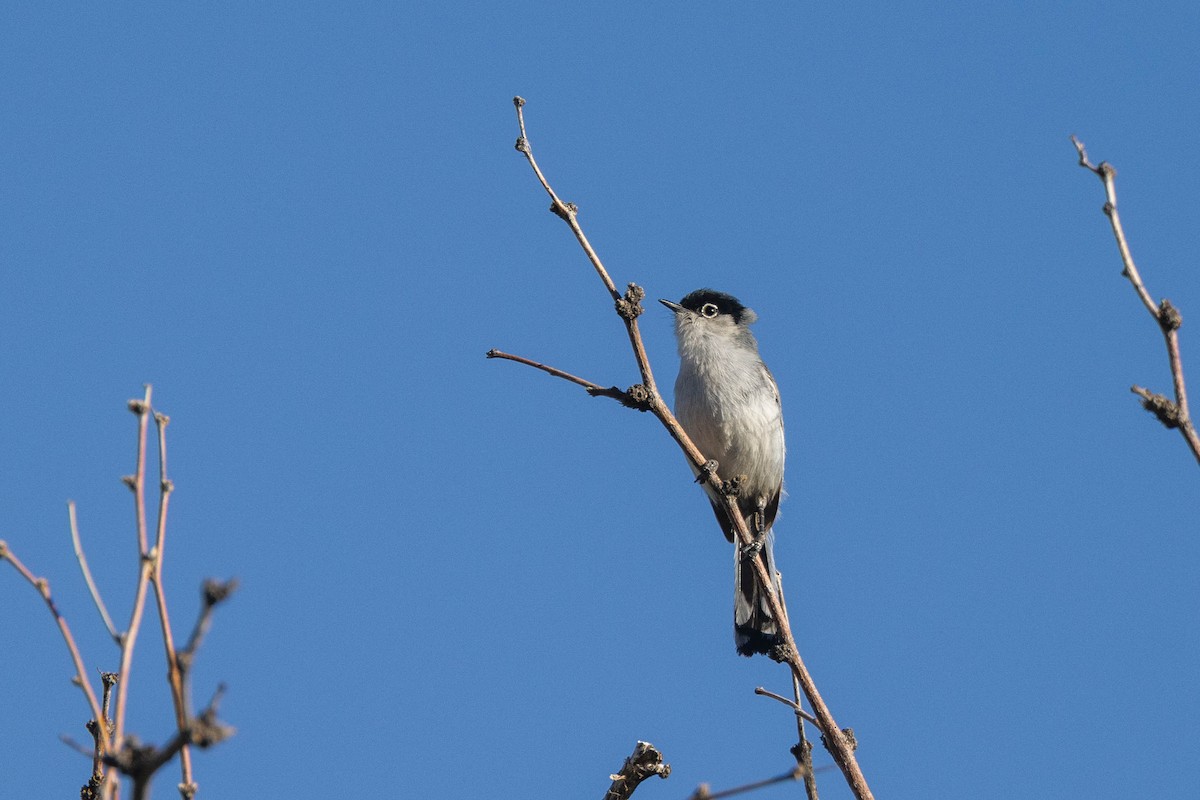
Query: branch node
column 519, row 101
column 781, row 654
column 1169, row 318
column 1164, row 409
column 130, row 481
column 522, row 145
column 848, row 734
column 564, row 211
column 637, row 397
column 706, row 472
column 629, row 307
column 216, row 591
column 137, row 406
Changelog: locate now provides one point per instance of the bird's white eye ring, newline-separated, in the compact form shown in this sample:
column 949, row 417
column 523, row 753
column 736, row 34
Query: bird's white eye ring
column 709, row 310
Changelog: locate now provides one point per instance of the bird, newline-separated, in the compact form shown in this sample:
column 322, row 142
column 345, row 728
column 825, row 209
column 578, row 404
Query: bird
column 728, row 403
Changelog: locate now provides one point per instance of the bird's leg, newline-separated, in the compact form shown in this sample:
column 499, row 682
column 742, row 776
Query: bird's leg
column 758, row 527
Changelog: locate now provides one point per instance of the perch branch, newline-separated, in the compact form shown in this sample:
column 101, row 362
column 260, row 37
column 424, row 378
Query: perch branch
column 1171, row 414
column 840, row 745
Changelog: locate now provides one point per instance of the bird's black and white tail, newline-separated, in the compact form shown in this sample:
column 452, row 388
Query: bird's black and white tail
column 754, row 627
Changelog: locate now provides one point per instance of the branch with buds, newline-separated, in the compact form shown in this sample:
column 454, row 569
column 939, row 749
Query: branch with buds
column 645, row 396
column 1171, row 413
column 114, row 752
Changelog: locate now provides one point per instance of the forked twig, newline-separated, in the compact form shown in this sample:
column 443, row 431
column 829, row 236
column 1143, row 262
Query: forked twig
column 629, row 308
column 1172, row 414
column 111, row 746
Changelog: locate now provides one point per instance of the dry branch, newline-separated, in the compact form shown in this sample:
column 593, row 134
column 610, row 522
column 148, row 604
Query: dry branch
column 644, row 761
column 112, row 748
column 628, row 307
column 1172, row 414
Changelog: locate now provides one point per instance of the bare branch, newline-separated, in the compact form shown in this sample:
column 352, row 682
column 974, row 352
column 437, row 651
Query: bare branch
column 175, row 680
column 566, row 211
column 792, row 704
column 636, row 397
column 629, row 307
column 136, row 483
column 704, row 793
column 1172, row 415
column 87, row 575
column 644, row 761
column 140, row 762
column 42, row 587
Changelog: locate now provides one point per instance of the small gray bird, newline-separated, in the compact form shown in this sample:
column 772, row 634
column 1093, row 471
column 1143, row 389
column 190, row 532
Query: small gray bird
column 727, row 401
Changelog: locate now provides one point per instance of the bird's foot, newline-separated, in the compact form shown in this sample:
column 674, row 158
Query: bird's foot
column 749, row 551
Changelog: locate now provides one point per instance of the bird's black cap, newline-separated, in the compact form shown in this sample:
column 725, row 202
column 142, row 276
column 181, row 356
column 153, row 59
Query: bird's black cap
column 725, row 303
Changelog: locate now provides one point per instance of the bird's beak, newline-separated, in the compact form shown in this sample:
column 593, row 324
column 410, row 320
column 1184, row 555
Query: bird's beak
column 673, row 306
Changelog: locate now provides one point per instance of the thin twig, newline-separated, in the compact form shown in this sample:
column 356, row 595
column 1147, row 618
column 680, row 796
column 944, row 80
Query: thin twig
column 1171, row 414
column 42, row 586
column 840, row 745
column 630, row 399
column 87, row 574
column 802, row 751
column 792, row 704
column 703, row 792
column 567, row 211
column 137, row 483
column 628, row 306
column 213, row 593
column 187, row 787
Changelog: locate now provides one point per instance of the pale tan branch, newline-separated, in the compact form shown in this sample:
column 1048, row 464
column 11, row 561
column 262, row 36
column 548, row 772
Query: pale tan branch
column 87, row 575
column 187, row 786
column 566, row 211
column 42, row 587
column 635, row 397
column 840, row 744
column 1171, row 414
column 136, row 482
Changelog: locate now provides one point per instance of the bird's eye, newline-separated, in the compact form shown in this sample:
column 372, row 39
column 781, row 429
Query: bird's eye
column 709, row 310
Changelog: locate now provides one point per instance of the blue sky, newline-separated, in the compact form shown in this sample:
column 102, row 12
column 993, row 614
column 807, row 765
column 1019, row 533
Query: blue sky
column 306, row 224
